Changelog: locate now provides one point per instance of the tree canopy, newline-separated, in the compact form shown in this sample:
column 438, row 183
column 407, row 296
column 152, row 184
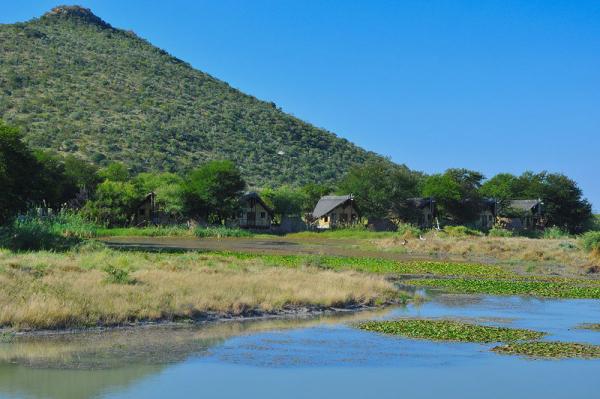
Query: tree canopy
column 213, row 190
column 18, row 172
column 379, row 186
column 563, row 202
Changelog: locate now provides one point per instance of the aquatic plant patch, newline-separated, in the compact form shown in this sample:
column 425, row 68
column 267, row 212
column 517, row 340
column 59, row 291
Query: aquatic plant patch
column 560, row 288
column 383, row 266
column 590, row 326
column 551, row 350
column 449, row 330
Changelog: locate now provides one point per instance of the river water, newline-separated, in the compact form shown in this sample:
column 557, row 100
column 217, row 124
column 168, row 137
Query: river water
column 322, row 357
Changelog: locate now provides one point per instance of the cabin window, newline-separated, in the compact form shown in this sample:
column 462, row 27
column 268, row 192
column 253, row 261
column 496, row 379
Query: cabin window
column 325, row 219
column 262, row 215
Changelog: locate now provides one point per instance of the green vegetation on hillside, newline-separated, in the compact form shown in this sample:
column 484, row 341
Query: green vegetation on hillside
column 77, row 85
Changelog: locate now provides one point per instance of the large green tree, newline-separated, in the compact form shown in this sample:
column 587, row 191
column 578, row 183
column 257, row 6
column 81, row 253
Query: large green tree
column 114, row 203
column 456, row 192
column 213, row 190
column 285, row 200
column 564, row 205
column 18, row 172
column 379, row 186
column 168, row 187
column 312, row 193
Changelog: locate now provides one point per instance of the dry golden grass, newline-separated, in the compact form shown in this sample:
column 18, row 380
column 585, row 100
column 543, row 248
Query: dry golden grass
column 47, row 290
column 549, row 252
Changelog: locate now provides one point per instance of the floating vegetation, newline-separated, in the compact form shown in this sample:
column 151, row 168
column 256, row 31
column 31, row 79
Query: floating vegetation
column 559, row 288
column 590, row 326
column 550, row 350
column 449, row 330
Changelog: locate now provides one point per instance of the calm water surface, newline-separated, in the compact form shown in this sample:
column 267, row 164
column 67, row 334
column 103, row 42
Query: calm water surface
column 317, row 358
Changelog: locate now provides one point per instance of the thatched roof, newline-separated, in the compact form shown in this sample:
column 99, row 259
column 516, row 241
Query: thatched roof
column 524, row 205
column 328, row 203
column 420, row 203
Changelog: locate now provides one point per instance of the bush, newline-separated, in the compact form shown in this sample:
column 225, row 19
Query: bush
column 498, row 232
column 33, row 233
column 409, row 231
column 461, row 231
column 591, row 242
column 554, row 233
column 221, row 231
column 151, row 231
column 117, row 275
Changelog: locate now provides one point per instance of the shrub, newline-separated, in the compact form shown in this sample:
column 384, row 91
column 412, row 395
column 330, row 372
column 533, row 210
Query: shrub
column 409, row 231
column 117, row 275
column 498, row 232
column 33, row 233
column 591, row 242
column 221, row 231
column 555, row 233
column 461, row 231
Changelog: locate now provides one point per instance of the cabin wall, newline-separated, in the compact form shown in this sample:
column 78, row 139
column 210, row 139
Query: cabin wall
column 486, row 219
column 143, row 214
column 253, row 215
column 339, row 216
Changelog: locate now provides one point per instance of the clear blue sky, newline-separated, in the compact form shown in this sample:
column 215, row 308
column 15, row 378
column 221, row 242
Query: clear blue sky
column 489, row 85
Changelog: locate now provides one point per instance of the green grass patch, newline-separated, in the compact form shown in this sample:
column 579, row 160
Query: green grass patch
column 449, row 330
column 174, row 231
column 550, row 350
column 153, row 231
column 498, row 232
column 221, row 231
column 461, row 231
column 590, row 241
column 59, row 232
column 555, row 233
column 558, row 288
column 383, row 266
column 349, row 233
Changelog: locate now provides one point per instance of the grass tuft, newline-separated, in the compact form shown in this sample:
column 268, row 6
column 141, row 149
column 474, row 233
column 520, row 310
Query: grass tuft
column 117, row 275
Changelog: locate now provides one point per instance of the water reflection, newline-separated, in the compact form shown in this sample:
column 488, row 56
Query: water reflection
column 312, row 357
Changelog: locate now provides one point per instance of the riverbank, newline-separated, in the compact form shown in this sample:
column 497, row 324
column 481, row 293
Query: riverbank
column 149, row 280
column 103, row 287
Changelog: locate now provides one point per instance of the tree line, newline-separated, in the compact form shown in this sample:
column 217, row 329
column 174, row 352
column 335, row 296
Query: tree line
column 109, row 196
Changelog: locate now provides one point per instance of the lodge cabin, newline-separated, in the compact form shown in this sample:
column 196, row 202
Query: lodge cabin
column 335, row 211
column 420, row 212
column 148, row 213
column 254, row 213
column 525, row 214
column 488, row 213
